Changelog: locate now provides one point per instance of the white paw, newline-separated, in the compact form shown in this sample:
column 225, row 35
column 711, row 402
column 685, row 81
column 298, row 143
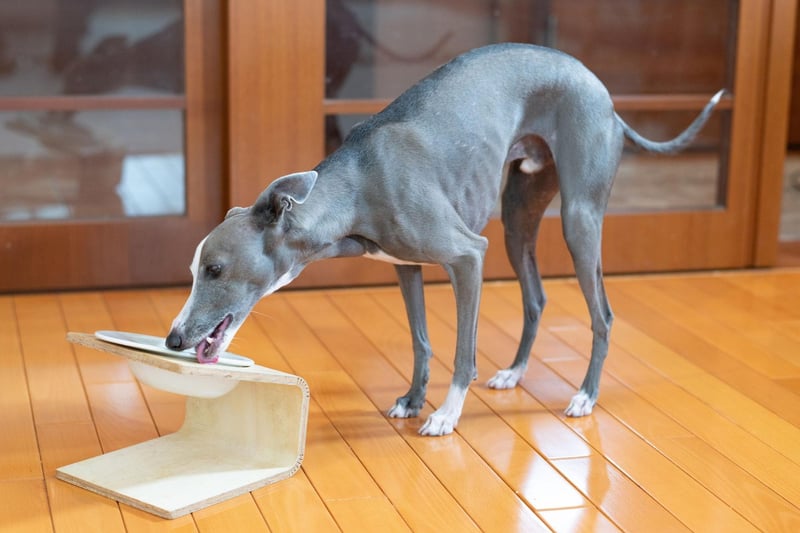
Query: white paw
column 402, row 410
column 505, row 379
column 438, row 424
column 581, row 405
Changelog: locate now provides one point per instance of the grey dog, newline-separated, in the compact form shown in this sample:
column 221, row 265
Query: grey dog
column 414, row 185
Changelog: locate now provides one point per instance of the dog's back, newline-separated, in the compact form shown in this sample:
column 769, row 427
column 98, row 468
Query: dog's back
column 450, row 134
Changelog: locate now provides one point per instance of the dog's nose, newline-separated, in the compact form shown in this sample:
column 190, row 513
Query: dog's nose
column 174, row 340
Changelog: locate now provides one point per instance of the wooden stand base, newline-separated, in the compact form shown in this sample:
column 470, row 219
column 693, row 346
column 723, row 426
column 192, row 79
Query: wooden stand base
column 228, row 445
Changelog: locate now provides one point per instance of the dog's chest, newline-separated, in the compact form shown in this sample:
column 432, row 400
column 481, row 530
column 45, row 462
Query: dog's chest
column 380, row 255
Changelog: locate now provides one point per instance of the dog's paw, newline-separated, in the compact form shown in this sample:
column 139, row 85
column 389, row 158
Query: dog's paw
column 438, row 424
column 505, row 379
column 403, row 409
column 581, row 405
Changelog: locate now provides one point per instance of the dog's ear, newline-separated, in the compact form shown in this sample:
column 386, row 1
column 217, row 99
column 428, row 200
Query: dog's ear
column 282, row 195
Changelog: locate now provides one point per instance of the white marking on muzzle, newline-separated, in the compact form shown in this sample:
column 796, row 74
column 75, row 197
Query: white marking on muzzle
column 194, row 268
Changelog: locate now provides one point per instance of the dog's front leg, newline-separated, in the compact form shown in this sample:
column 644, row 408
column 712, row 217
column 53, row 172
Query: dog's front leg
column 410, row 277
column 466, row 277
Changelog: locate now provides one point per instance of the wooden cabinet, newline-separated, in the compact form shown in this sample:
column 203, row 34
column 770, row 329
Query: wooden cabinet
column 98, row 97
column 662, row 64
column 264, row 88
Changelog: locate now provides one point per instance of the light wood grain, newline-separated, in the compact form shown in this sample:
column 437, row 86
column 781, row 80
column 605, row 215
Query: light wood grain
column 335, row 471
column 779, row 72
column 294, row 505
column 75, row 509
column 237, row 514
column 617, row 496
column 652, row 480
column 267, row 41
column 20, row 456
column 582, row 519
column 25, row 506
column 483, row 482
column 689, row 432
column 373, row 514
column 134, row 311
column 263, row 418
column 54, row 382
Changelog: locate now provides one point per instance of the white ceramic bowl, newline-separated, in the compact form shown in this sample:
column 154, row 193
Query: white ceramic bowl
column 185, row 384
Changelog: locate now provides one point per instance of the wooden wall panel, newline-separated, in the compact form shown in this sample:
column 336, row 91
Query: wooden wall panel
column 275, row 88
column 778, row 126
column 276, row 119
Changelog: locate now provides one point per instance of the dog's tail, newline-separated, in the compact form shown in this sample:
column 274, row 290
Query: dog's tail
column 681, row 141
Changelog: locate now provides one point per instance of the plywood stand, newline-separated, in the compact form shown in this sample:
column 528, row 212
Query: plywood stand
column 228, row 445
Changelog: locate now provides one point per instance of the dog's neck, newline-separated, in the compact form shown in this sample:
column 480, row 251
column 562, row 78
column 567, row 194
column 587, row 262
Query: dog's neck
column 324, row 226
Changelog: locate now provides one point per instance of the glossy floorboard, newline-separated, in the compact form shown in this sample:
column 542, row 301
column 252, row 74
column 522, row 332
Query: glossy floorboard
column 697, row 428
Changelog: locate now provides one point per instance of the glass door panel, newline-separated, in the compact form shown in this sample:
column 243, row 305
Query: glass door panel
column 662, row 61
column 71, row 147
column 102, row 138
column 91, row 164
column 70, row 47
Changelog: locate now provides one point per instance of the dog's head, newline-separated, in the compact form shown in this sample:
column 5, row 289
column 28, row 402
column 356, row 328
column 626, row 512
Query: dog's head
column 245, row 258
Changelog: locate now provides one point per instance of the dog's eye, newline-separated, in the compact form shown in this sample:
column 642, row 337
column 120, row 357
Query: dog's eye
column 213, row 271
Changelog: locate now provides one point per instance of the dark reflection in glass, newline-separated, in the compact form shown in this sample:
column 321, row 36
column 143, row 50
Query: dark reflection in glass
column 90, row 47
column 790, row 211
column 76, row 164
column 91, row 165
column 375, row 49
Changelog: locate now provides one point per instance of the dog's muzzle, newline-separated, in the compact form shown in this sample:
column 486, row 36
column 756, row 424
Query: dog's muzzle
column 209, row 347
column 174, row 341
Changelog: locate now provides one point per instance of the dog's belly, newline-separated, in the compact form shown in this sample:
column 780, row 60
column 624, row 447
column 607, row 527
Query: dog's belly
column 380, row 255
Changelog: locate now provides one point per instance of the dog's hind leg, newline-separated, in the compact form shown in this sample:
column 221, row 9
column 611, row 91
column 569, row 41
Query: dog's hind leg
column 411, row 287
column 525, row 200
column 580, row 227
column 585, row 181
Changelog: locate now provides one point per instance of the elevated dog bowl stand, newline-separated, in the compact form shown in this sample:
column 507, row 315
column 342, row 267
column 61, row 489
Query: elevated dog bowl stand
column 244, row 439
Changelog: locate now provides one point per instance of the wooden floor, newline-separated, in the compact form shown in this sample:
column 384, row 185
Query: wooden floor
column 697, row 428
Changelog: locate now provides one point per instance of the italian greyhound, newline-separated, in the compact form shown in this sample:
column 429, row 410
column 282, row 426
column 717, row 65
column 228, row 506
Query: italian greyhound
column 415, row 184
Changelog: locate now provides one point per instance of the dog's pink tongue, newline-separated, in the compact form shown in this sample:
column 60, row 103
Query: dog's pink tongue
column 201, row 352
column 208, row 349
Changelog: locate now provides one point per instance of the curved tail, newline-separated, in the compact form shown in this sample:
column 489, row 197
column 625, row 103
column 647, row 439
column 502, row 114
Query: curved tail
column 681, row 141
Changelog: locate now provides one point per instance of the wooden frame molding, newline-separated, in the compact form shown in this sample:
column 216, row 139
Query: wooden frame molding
column 774, row 131
column 276, row 53
column 90, row 103
column 135, row 251
column 276, row 109
column 625, row 102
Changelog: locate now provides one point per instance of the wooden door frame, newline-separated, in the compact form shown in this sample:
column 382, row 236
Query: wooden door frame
column 276, row 52
column 774, row 130
column 276, row 81
column 136, row 251
column 276, row 110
